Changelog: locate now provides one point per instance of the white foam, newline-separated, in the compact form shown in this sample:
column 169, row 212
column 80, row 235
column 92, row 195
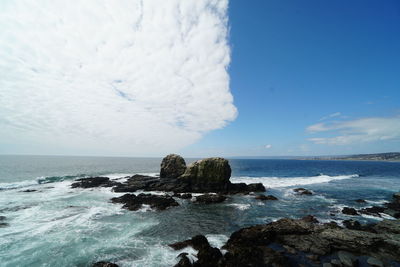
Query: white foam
column 217, row 240
column 240, row 206
column 273, row 182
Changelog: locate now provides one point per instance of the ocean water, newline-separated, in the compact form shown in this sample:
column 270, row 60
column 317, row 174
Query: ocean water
column 60, row 226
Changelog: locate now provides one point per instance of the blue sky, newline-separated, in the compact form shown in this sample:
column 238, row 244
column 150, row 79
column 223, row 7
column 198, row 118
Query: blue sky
column 300, row 63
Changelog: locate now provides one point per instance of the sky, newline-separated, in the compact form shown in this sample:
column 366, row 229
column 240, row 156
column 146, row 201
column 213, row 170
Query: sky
column 199, row 78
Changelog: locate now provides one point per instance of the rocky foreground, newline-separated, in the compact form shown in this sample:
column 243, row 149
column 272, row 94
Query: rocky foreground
column 286, row 242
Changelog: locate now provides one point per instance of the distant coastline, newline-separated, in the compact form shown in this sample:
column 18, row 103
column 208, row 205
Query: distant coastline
column 390, row 156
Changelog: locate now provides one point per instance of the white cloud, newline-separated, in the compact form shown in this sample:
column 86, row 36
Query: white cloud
column 268, row 146
column 357, row 131
column 120, row 77
column 336, row 114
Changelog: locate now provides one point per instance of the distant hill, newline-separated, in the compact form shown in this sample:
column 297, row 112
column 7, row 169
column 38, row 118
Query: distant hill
column 390, row 156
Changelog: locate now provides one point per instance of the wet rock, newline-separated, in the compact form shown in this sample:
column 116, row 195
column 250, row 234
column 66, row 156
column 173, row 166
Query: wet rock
column 336, row 263
column 302, row 191
column 264, row 197
column 135, row 202
column 374, row 262
column 2, row 218
column 172, row 166
column 104, row 264
column 349, row 211
column 360, row 200
column 29, row 191
column 351, row 224
column 290, row 250
column 197, row 242
column 310, row 219
column 3, row 225
column 396, row 197
column 94, row 182
column 374, row 211
column 387, row 227
column 347, row 259
column 184, row 261
column 327, row 264
column 255, row 187
column 183, row 196
column 210, row 198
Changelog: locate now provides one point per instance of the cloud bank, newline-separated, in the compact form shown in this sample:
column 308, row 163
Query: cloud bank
column 118, row 77
column 357, row 131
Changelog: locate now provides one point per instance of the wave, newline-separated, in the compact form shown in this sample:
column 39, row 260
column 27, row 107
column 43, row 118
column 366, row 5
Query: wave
column 273, row 182
column 38, row 181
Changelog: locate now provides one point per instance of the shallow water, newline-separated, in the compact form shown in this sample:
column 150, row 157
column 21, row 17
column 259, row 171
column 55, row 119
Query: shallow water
column 60, row 226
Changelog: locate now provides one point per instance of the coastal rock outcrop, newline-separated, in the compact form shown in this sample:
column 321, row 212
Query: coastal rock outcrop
column 302, row 191
column 304, row 241
column 135, row 202
column 172, row 166
column 94, row 182
column 104, row 264
column 265, row 197
column 210, row 198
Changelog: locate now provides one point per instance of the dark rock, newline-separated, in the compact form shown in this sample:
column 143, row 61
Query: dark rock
column 396, row 197
column 347, row 259
column 374, row 211
column 336, row 263
column 183, row 196
column 184, row 261
column 210, row 198
column 133, row 202
column 94, row 182
column 387, row 227
column 310, row 219
column 360, row 200
column 351, row 224
column 256, row 187
column 349, row 211
column 302, row 191
column 264, row 197
column 172, row 166
column 3, row 225
column 197, row 242
column 29, row 191
column 2, row 218
column 104, row 264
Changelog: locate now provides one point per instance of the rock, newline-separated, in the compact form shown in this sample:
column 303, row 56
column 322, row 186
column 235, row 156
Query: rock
column 351, row 224
column 374, row 211
column 347, row 259
column 29, row 191
column 172, row 166
column 396, row 197
column 313, row 257
column 184, row 261
column 327, row 264
column 264, row 197
column 302, row 191
column 2, row 218
column 336, row 263
column 290, row 250
column 104, row 264
column 211, row 174
column 360, row 200
column 374, row 262
column 197, row 242
column 310, row 219
column 183, row 196
column 387, row 227
column 256, row 187
column 3, row 225
column 349, row 211
column 94, row 182
column 133, row 202
column 210, row 198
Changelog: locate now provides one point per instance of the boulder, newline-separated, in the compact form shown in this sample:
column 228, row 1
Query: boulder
column 302, row 191
column 360, row 200
column 264, row 197
column 133, row 202
column 210, row 198
column 172, row 166
column 349, row 211
column 211, row 174
column 94, row 182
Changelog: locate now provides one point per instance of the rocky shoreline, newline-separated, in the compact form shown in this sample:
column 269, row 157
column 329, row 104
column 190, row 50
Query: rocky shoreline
column 286, row 242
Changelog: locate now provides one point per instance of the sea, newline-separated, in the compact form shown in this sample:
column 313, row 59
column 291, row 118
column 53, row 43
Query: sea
column 44, row 222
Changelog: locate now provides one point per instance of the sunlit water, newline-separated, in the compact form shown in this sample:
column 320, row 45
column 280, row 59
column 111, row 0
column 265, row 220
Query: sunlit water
column 60, row 226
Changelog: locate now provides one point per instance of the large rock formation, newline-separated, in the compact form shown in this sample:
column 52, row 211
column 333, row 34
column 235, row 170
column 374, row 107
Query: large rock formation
column 135, row 202
column 172, row 166
column 211, row 174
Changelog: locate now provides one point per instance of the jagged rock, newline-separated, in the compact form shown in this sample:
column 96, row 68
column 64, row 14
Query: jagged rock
column 184, row 261
column 210, row 198
column 351, row 224
column 396, row 197
column 183, row 196
column 94, row 182
column 133, row 202
column 172, row 166
column 104, row 264
column 349, row 211
column 29, row 191
column 336, row 263
column 211, row 174
column 302, row 191
column 310, row 218
column 360, row 200
column 195, row 242
column 264, row 197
